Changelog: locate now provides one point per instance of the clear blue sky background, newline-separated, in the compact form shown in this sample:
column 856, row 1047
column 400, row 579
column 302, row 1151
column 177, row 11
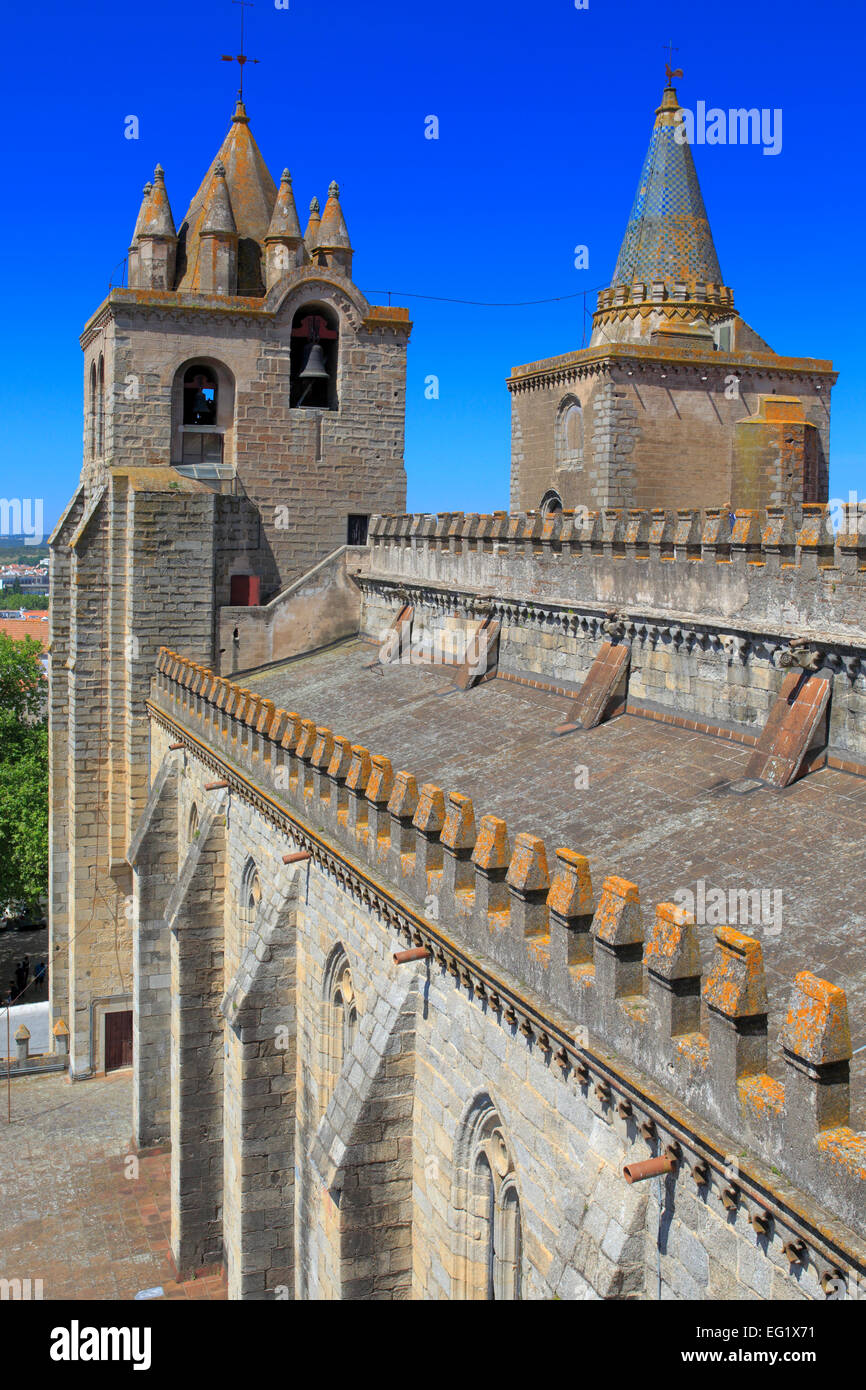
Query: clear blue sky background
column 545, row 113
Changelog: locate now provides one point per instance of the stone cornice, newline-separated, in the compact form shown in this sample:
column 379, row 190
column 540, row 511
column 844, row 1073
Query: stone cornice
column 595, row 360
column 645, row 625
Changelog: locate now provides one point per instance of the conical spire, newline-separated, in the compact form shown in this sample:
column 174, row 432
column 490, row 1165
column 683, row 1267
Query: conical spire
column 218, row 218
column 668, row 236
column 252, row 194
column 156, row 212
column 142, row 212
column 333, row 233
column 312, row 233
column 284, row 222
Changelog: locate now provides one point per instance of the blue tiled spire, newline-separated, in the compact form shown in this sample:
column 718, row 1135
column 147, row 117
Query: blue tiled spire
column 668, row 236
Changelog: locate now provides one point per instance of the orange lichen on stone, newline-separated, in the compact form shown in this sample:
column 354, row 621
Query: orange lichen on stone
column 404, row 797
column 527, row 871
column 430, row 815
column 762, row 1094
column 491, row 847
column 846, row 1148
column 735, row 985
column 307, row 740
column 618, row 919
column 359, row 772
column 459, row 829
column 381, row 782
column 695, row 1047
column 324, row 747
column 816, row 1027
column 538, row 950
column 672, row 950
column 571, row 887
column 341, row 757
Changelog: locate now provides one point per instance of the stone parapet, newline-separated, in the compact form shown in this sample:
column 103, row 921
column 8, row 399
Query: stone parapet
column 573, row 967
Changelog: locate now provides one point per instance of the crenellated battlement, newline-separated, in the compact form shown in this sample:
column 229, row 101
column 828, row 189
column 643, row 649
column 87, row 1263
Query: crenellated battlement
column 778, row 537
column 625, row 977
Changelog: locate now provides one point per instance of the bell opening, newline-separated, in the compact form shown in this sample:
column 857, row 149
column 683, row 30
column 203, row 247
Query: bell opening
column 314, row 347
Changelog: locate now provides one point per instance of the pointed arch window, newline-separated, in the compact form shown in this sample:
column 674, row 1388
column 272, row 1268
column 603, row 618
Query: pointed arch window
column 250, row 897
column 486, row 1209
column 569, row 430
column 340, row 1022
column 550, row 502
column 100, row 407
column 92, row 410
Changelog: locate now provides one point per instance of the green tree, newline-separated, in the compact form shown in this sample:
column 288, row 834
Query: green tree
column 23, row 771
column 10, row 599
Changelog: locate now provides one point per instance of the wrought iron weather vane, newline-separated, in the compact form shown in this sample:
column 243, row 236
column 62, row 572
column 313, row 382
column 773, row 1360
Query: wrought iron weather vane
column 670, row 71
column 240, row 58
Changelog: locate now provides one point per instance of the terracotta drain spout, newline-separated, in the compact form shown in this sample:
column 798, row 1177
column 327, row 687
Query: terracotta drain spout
column 417, row 953
column 649, row 1168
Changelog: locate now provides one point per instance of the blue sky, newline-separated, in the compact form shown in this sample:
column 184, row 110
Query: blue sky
column 544, row 116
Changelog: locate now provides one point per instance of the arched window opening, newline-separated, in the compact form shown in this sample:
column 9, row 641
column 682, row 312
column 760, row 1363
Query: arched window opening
column 202, row 407
column 92, row 410
column 569, row 450
column 100, row 408
column 486, row 1209
column 313, row 363
column 192, row 824
column 340, row 1022
column 251, row 896
column 550, row 502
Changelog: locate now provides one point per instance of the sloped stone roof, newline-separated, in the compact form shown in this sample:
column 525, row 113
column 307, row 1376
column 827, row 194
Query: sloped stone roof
column 253, row 194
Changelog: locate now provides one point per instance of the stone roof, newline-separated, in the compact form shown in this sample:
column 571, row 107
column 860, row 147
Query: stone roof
column 252, row 193
column 284, row 222
column 495, row 744
column 668, row 235
column 156, row 219
column 333, row 233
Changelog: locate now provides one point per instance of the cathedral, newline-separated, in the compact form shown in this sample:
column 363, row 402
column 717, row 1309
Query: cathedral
column 382, row 844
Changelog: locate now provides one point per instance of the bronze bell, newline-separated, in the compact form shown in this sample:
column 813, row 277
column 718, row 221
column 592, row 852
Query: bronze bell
column 314, row 367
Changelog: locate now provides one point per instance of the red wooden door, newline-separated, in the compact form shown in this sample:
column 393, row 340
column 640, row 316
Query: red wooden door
column 118, row 1040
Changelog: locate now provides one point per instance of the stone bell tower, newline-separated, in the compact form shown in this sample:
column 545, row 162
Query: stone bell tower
column 676, row 402
column 244, row 415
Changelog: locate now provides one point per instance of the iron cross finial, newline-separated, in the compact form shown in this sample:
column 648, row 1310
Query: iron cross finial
column 240, row 58
column 670, row 71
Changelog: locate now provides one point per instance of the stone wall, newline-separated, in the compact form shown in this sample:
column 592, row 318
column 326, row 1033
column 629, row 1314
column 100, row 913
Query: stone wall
column 303, row 471
column 666, row 429
column 532, row 1028
column 708, row 612
column 321, row 607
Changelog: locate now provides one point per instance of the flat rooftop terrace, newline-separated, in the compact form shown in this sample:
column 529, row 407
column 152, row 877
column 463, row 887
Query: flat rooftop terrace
column 657, row 806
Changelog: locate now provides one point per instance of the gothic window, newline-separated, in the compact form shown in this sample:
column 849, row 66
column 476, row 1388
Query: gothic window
column 340, row 1020
column 550, row 502
column 569, row 452
column 92, row 410
column 192, row 824
column 486, row 1209
column 100, row 407
column 313, row 361
column 251, row 896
